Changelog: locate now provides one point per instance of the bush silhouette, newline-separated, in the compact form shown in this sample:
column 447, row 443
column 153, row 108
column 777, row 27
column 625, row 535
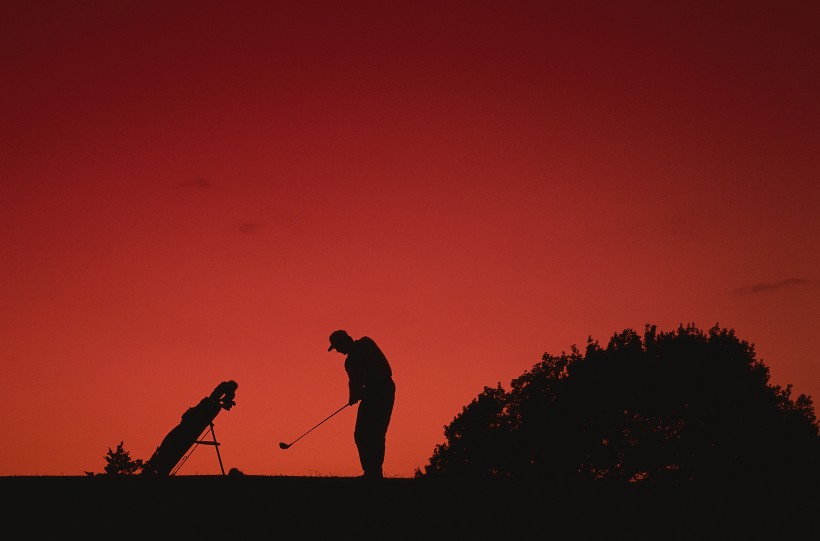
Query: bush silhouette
column 119, row 462
column 680, row 405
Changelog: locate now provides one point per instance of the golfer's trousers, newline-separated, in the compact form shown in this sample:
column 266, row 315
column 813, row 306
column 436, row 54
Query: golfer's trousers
column 372, row 420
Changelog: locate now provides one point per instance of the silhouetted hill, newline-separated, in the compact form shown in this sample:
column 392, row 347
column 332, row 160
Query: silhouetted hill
column 341, row 508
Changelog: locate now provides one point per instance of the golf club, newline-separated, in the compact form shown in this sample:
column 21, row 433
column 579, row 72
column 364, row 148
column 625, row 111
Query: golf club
column 283, row 445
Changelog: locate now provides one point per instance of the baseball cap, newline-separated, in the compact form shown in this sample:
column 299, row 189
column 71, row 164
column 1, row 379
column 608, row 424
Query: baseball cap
column 336, row 337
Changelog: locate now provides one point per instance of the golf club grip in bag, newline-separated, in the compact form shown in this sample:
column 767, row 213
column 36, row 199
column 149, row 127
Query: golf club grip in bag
column 194, row 422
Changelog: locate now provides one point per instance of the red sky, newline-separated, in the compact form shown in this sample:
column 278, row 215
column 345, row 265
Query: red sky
column 194, row 192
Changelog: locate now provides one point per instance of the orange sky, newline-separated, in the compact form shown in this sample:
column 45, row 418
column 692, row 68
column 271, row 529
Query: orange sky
column 193, row 193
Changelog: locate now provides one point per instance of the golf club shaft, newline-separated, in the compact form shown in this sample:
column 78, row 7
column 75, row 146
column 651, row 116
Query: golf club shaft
column 323, row 420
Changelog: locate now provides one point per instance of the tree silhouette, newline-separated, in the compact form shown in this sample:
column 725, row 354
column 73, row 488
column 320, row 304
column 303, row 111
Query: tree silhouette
column 685, row 404
column 119, row 462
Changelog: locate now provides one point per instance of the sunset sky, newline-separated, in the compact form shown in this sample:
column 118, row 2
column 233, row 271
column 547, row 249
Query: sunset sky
column 200, row 191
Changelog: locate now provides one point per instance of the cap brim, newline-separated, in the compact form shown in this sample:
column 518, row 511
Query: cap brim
column 330, row 348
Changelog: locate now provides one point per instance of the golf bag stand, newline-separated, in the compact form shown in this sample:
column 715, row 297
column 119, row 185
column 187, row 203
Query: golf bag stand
column 203, row 442
column 187, row 435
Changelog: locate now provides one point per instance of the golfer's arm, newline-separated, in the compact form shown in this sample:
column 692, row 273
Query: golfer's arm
column 355, row 387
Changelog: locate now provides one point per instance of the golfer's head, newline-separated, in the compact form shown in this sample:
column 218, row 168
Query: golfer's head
column 340, row 341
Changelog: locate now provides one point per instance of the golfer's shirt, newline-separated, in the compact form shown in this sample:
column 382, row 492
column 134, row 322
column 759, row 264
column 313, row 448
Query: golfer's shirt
column 367, row 368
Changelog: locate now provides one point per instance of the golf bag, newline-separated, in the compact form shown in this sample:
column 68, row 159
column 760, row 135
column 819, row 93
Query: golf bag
column 194, row 422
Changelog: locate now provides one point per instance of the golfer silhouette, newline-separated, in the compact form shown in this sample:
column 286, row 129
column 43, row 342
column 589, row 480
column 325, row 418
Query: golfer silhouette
column 370, row 382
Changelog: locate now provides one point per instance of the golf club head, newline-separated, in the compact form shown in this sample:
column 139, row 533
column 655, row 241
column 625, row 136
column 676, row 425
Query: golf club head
column 283, row 445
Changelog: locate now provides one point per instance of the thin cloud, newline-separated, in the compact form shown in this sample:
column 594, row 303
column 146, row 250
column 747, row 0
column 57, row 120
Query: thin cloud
column 250, row 227
column 197, row 182
column 763, row 287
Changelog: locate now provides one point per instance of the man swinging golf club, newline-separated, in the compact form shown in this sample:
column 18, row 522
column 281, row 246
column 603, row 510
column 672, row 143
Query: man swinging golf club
column 370, row 382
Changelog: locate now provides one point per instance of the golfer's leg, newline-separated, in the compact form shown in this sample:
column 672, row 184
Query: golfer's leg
column 360, row 437
column 367, row 438
column 385, row 412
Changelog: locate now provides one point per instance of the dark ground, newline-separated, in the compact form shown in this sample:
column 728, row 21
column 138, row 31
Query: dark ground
column 274, row 507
